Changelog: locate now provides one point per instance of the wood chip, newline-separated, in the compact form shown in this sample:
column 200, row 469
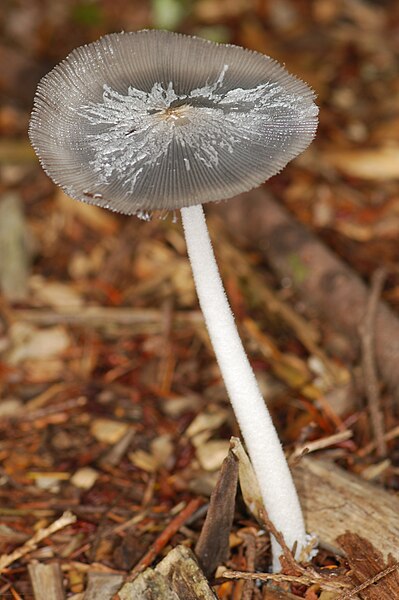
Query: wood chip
column 213, row 544
column 54, row 293
column 108, row 431
column 84, row 478
column 116, row 453
column 30, row 343
column 102, row 586
column 378, row 164
column 375, row 579
column 212, row 454
column 47, row 581
column 149, row 585
column 92, row 216
column 177, row 577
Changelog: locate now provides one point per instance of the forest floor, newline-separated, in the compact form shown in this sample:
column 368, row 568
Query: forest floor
column 114, row 420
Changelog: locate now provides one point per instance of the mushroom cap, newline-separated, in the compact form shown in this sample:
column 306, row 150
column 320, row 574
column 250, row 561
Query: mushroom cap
column 154, row 120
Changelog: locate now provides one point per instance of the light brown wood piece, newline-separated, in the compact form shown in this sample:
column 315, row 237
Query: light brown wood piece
column 102, row 586
column 46, row 581
column 212, row 548
column 149, row 585
column 14, row 251
column 177, row 577
column 335, row 501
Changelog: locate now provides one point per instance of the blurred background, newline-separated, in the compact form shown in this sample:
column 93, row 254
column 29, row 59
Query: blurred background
column 346, row 49
column 104, row 362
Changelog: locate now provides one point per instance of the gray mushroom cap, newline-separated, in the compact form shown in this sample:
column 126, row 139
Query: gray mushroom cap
column 154, row 120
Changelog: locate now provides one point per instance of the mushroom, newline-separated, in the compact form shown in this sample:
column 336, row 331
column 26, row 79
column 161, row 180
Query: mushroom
column 153, row 120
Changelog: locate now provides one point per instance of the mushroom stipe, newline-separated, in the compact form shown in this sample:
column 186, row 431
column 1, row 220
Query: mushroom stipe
column 154, row 120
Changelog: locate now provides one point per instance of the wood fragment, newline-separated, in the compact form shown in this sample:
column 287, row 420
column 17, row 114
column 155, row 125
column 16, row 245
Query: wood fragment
column 102, row 586
column 7, row 559
column 367, row 340
column 177, row 577
column 187, row 579
column 212, row 547
column 149, row 585
column 47, row 581
column 375, row 579
column 118, row 450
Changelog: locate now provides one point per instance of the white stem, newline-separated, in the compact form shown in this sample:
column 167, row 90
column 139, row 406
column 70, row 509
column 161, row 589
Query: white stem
column 263, row 445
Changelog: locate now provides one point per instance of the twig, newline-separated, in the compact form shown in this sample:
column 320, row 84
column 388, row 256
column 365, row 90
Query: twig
column 389, row 435
column 55, row 409
column 98, row 316
column 7, row 559
column 371, row 581
column 296, row 573
column 321, row 443
column 161, row 541
column 367, row 340
column 305, row 579
column 287, row 560
column 249, row 537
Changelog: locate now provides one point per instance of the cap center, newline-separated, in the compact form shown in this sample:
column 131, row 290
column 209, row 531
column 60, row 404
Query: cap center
column 178, row 115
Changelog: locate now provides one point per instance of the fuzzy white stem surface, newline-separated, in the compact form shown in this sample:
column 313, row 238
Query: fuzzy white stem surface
column 263, row 445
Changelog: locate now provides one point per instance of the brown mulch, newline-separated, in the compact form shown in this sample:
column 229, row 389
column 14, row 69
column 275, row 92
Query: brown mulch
column 112, row 409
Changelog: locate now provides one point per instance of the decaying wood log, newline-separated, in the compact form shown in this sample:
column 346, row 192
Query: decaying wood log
column 335, row 502
column 325, row 283
column 177, row 577
column 46, row 581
